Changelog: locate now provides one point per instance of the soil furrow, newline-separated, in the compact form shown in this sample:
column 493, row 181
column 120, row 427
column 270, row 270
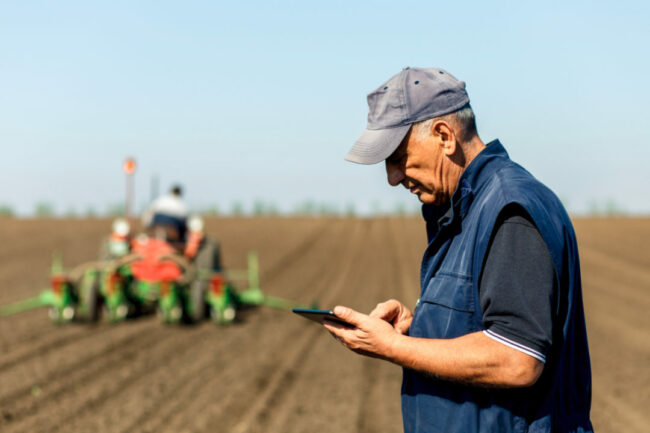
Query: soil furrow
column 333, row 374
column 104, row 380
column 289, row 259
column 272, row 371
column 75, row 336
column 165, row 388
column 283, row 380
column 85, row 356
column 31, row 327
column 24, row 403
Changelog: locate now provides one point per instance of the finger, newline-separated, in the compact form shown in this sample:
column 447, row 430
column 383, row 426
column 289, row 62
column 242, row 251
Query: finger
column 380, row 310
column 386, row 310
column 403, row 327
column 334, row 328
column 330, row 324
column 349, row 315
column 338, row 332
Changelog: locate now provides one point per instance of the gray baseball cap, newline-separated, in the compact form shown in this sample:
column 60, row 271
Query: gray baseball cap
column 413, row 95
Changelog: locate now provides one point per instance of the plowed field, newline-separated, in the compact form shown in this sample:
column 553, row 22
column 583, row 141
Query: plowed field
column 273, row 371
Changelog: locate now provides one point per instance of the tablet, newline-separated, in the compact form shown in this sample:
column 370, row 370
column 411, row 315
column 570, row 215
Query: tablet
column 320, row 315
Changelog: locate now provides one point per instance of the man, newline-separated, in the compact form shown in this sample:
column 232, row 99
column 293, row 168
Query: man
column 168, row 213
column 497, row 341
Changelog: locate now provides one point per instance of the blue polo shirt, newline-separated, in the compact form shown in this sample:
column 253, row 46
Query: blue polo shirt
column 450, row 306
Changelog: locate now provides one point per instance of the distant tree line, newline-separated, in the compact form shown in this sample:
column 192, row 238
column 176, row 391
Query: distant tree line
column 6, row 211
column 608, row 208
column 44, row 209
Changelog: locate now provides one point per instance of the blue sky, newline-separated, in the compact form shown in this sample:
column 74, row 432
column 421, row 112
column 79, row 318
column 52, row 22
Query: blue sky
column 247, row 101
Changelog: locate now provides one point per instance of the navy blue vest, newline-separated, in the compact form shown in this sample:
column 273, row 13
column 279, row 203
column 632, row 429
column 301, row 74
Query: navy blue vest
column 449, row 307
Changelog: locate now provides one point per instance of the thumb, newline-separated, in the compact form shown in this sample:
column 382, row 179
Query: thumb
column 349, row 315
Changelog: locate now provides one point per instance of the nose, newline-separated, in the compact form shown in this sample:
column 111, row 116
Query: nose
column 394, row 174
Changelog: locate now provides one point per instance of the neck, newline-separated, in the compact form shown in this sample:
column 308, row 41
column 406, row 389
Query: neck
column 471, row 149
column 468, row 152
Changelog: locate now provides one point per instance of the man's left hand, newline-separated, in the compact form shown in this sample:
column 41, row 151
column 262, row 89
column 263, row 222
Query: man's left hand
column 372, row 336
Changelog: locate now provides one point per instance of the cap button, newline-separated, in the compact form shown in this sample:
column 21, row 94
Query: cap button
column 405, row 68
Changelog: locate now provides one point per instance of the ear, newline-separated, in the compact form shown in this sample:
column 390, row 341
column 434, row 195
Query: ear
column 445, row 137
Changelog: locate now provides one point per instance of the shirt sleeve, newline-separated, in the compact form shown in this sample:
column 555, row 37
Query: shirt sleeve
column 518, row 286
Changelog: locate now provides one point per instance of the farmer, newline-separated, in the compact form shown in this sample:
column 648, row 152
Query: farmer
column 497, row 340
column 170, row 213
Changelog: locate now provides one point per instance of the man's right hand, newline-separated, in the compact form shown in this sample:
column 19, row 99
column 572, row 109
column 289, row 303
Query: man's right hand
column 395, row 313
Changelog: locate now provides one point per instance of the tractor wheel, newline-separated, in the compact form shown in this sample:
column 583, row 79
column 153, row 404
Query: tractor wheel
column 89, row 299
column 207, row 260
column 209, row 256
column 197, row 305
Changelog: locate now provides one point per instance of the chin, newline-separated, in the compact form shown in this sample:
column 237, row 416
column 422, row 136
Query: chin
column 432, row 199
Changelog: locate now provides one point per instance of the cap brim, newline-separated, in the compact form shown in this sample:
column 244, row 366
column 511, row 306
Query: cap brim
column 375, row 145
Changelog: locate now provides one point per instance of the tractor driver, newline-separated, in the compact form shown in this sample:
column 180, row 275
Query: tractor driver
column 167, row 216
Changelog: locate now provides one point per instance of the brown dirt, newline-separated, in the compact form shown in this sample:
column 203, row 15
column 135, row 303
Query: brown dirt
column 272, row 371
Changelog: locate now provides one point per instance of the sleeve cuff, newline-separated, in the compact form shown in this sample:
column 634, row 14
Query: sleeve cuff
column 517, row 346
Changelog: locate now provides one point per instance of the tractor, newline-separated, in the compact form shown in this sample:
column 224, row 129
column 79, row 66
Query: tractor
column 151, row 273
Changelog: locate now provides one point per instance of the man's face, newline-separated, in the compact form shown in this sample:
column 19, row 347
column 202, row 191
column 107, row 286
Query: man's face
column 418, row 165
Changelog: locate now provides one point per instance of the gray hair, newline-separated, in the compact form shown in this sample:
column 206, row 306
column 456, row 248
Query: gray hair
column 463, row 119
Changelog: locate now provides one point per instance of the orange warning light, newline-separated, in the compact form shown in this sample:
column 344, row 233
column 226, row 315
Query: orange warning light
column 129, row 166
